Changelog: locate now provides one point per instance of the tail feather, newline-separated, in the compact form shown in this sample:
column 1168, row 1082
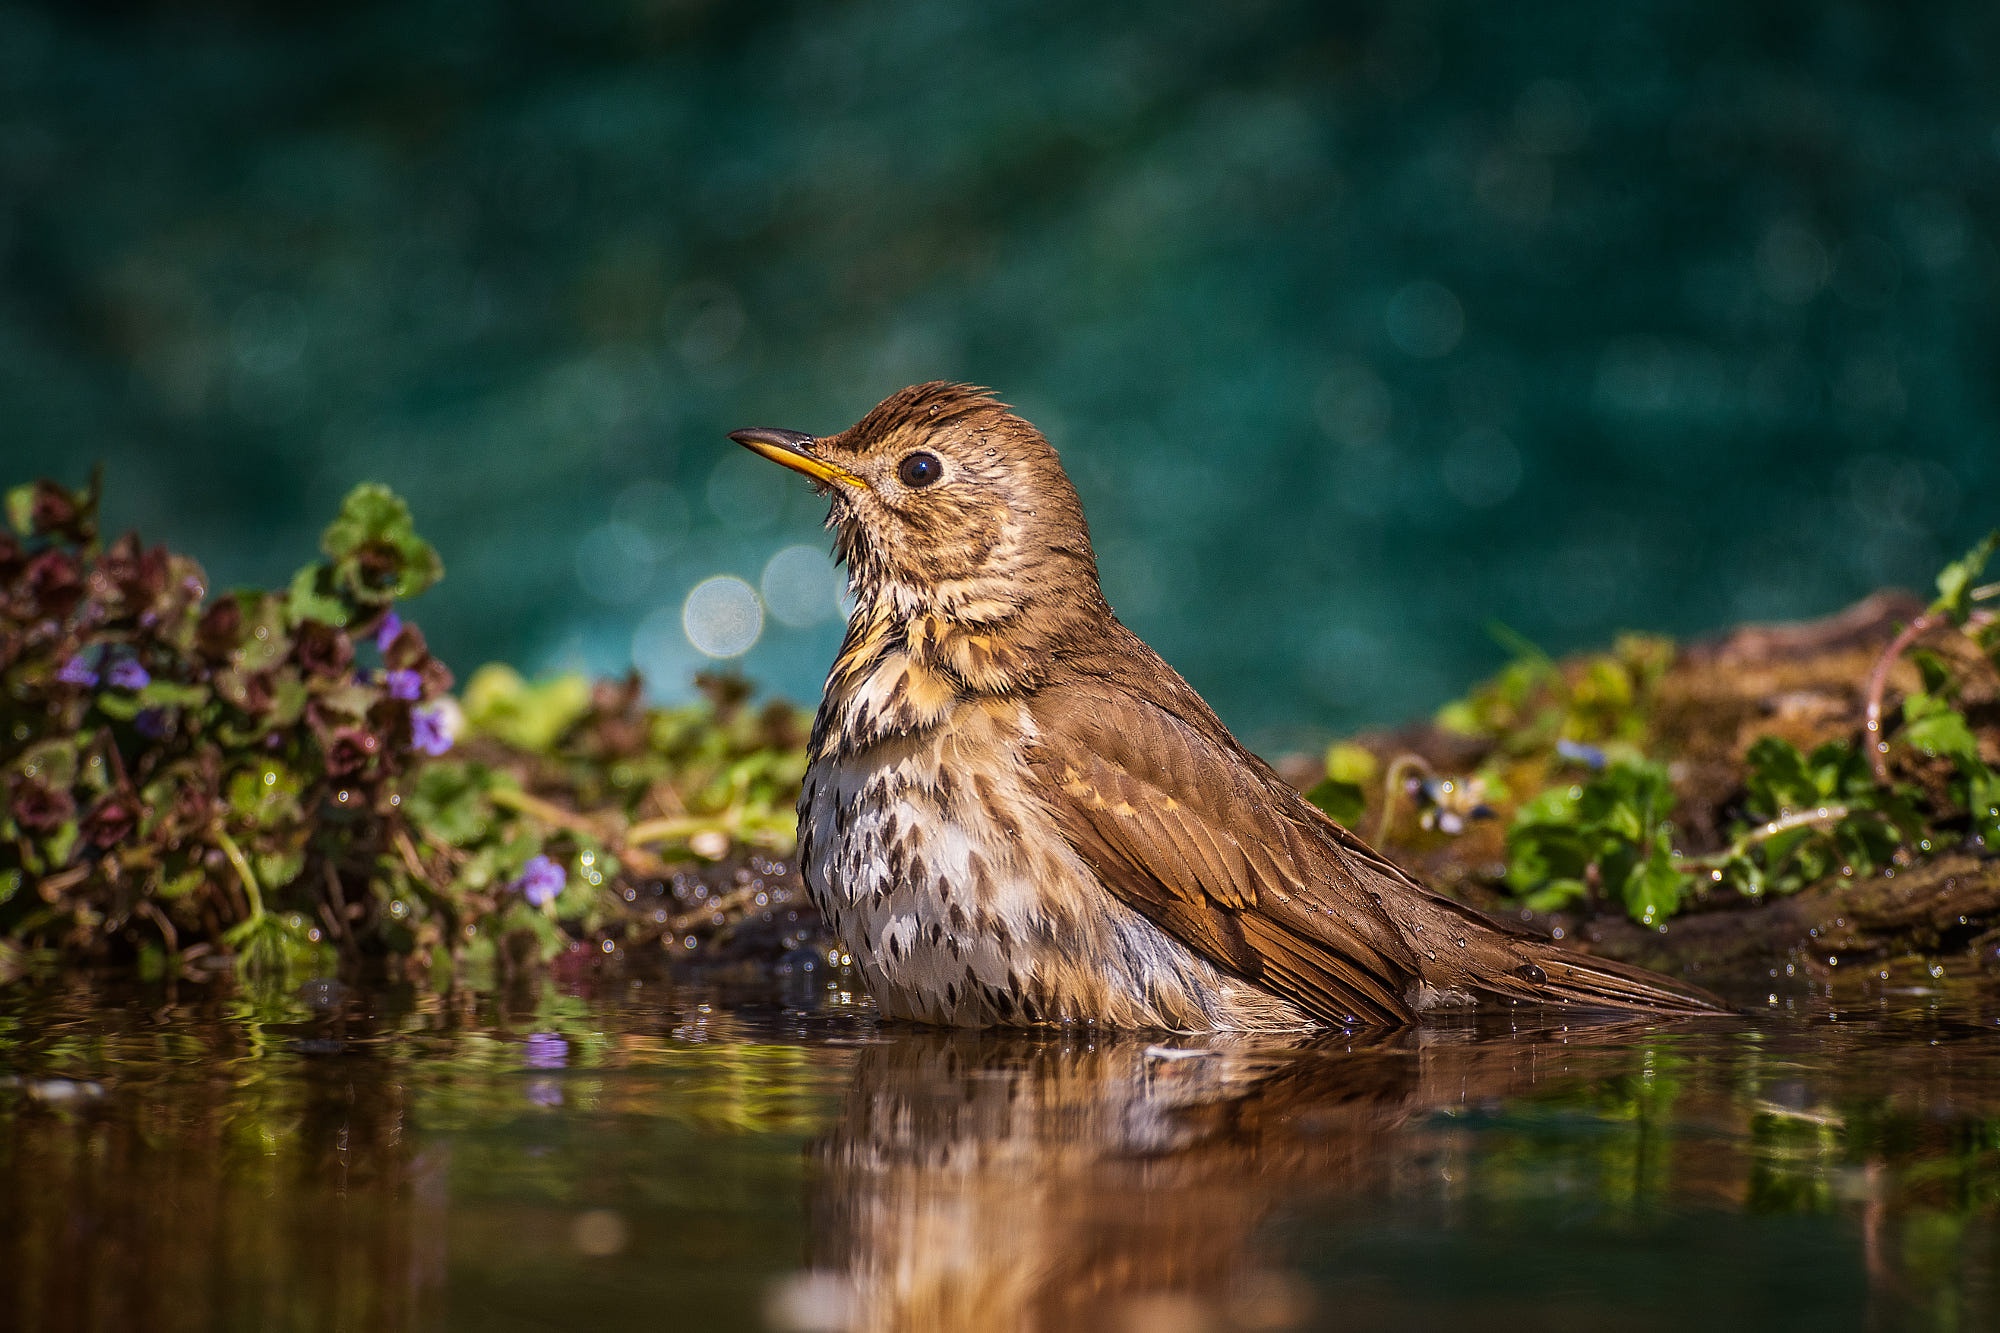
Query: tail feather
column 1500, row 959
column 1566, row 977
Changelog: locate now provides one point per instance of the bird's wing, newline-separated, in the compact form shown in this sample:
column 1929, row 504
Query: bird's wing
column 1190, row 829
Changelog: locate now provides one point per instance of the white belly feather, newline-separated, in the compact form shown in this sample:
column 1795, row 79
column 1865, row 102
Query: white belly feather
column 963, row 906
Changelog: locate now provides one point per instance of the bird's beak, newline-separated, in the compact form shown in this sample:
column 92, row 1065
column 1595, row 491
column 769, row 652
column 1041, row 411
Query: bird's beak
column 793, row 450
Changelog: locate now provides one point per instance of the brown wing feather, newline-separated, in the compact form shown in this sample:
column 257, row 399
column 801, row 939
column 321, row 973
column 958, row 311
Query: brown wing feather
column 1207, row 841
column 1180, row 827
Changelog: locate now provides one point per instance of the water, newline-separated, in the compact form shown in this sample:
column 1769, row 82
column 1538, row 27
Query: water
column 653, row 1155
column 1359, row 325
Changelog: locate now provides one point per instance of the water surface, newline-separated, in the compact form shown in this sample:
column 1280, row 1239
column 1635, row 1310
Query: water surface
column 651, row 1155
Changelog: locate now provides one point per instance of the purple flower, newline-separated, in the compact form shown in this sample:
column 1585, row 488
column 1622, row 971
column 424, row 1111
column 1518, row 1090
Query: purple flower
column 1587, row 755
column 406, row 684
column 430, row 730
column 151, row 723
column 541, row 880
column 392, row 625
column 546, row 1051
column 77, row 671
column 127, row 674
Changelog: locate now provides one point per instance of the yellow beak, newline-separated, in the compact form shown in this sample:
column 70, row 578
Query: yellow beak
column 793, row 450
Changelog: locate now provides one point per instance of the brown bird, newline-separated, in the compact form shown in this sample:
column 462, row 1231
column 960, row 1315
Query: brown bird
column 1017, row 814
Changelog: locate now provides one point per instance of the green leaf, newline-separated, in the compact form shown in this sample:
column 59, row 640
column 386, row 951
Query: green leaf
column 1343, row 802
column 1935, row 727
column 275, row 869
column 21, row 510
column 448, row 801
column 1555, row 895
column 123, row 707
column 1460, row 717
column 265, row 795
column 265, row 641
column 371, row 512
column 172, row 694
column 1777, row 779
column 499, row 703
column 1747, row 877
column 181, row 885
column 1653, row 891
column 57, row 846
column 376, row 552
column 1351, row 763
column 311, row 597
column 1955, row 580
column 1982, row 800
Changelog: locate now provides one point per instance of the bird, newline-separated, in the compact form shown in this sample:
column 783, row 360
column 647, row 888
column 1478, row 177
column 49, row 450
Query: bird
column 1016, row 814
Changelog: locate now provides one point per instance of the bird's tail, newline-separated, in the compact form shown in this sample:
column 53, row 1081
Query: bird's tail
column 1500, row 959
column 1550, row 973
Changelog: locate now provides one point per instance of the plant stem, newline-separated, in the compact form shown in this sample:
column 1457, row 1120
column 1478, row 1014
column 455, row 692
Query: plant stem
column 1878, row 681
column 243, row 871
column 548, row 812
column 1392, row 786
column 679, row 826
column 1829, row 814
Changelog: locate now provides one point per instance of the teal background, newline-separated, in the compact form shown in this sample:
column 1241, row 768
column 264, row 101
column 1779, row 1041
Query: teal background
column 1359, row 326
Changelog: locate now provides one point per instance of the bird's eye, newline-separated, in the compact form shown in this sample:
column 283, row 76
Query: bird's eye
column 919, row 469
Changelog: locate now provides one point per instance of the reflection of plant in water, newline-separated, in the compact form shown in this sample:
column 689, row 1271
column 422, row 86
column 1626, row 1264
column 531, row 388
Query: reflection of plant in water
column 316, row 1140
column 1611, row 1137
column 306, row 1149
column 279, row 775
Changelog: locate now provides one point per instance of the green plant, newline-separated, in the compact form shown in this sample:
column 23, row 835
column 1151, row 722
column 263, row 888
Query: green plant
column 209, row 773
column 1804, row 817
column 283, row 776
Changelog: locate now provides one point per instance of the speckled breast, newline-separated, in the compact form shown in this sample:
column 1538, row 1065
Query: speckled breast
column 942, row 874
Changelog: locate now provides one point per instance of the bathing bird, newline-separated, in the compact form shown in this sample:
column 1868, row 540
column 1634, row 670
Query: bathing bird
column 1016, row 814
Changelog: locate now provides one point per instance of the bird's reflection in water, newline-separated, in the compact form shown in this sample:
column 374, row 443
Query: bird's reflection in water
column 994, row 1182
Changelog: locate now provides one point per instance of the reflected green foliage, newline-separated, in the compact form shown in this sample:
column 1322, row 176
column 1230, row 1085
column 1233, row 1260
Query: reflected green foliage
column 388, row 1162
column 551, row 1155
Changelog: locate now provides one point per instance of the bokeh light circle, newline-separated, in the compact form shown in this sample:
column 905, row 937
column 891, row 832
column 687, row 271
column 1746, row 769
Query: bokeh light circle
column 722, row 616
column 801, row 586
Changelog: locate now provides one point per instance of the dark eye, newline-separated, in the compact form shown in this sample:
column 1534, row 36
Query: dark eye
column 919, row 470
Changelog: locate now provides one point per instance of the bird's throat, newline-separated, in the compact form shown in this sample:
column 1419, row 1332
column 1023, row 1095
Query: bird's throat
column 900, row 674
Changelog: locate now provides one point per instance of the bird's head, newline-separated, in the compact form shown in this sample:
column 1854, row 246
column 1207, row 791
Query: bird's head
column 946, row 503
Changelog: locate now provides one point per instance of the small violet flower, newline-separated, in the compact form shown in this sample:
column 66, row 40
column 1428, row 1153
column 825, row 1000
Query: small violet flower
column 541, row 880
column 78, row 671
column 430, row 730
column 1587, row 755
column 151, row 723
column 406, row 684
column 546, row 1050
column 126, row 674
column 392, row 625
